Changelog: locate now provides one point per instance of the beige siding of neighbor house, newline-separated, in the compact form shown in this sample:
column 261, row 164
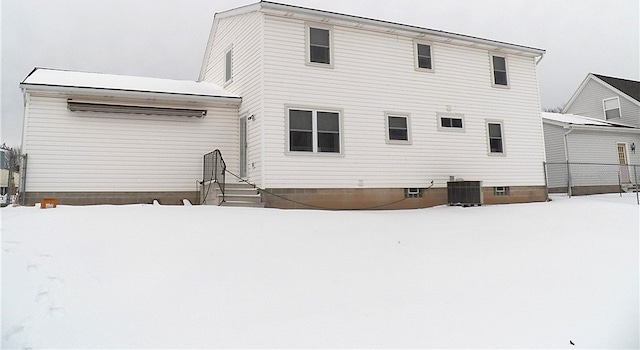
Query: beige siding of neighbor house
column 243, row 34
column 589, row 103
column 374, row 73
column 100, row 152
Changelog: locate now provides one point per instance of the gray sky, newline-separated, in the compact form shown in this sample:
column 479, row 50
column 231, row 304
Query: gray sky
column 167, row 38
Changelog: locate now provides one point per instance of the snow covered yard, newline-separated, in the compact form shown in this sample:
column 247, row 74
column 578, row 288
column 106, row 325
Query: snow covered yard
column 143, row 276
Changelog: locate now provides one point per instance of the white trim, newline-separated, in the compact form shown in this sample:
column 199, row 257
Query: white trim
column 506, row 67
column 407, row 116
column 415, row 56
column 307, row 43
column 502, row 135
column 440, row 115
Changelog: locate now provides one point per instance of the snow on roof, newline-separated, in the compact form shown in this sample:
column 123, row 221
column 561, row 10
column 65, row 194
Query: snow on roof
column 573, row 119
column 72, row 79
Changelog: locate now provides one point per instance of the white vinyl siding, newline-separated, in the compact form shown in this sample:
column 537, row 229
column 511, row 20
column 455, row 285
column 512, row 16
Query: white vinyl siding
column 88, row 151
column 363, row 91
column 243, row 33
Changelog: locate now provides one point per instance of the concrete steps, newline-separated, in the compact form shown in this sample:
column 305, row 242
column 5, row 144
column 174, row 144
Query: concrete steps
column 236, row 195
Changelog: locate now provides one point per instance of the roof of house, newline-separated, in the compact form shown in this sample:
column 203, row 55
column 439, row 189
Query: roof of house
column 629, row 87
column 46, row 78
column 578, row 120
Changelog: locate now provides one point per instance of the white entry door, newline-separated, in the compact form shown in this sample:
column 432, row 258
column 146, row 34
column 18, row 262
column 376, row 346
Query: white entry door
column 622, row 160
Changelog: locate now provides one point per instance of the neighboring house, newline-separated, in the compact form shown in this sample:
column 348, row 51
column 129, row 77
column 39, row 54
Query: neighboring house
column 598, row 131
column 337, row 111
column 607, row 98
column 599, row 152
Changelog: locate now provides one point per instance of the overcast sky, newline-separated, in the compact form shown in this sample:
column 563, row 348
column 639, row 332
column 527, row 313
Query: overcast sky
column 167, row 38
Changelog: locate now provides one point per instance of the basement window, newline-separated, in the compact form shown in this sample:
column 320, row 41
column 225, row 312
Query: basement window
column 412, row 193
column 501, row 191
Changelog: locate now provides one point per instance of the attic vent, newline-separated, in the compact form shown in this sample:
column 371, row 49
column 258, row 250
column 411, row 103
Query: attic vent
column 76, row 106
column 465, row 193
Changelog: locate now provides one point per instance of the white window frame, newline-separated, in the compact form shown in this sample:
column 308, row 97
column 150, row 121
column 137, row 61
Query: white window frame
column 416, row 65
column 493, row 75
column 604, row 108
column 228, row 66
column 503, row 138
column 307, row 30
column 314, row 137
column 386, row 127
column 441, row 115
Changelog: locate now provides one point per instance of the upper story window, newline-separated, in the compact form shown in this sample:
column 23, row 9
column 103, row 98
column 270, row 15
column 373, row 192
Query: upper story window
column 398, row 130
column 319, row 46
column 423, row 56
column 495, row 137
column 611, row 108
column 227, row 66
column 314, row 131
column 450, row 122
column 500, row 76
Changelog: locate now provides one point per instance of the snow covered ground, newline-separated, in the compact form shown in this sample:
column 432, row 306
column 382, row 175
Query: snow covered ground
column 143, row 276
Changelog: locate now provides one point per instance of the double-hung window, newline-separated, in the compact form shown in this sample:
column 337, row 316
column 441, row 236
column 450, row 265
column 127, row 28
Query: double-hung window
column 611, row 108
column 423, row 57
column 398, row 130
column 500, row 77
column 495, row 135
column 319, row 46
column 316, row 131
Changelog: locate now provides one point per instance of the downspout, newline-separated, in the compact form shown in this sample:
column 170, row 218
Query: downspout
column 541, row 57
column 566, row 156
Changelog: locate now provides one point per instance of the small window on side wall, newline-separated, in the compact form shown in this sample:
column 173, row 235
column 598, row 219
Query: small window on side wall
column 450, row 122
column 397, row 128
column 227, row 66
column 611, row 108
column 423, row 57
column 319, row 46
column 495, row 137
column 500, row 76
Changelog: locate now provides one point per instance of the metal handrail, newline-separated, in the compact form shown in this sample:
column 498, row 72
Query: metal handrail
column 214, row 171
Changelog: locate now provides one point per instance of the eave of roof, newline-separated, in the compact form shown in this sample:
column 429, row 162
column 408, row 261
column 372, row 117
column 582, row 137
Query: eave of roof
column 580, row 122
column 45, row 79
column 392, row 27
column 629, row 87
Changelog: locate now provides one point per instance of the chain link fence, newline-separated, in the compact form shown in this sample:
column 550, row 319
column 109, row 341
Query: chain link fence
column 577, row 179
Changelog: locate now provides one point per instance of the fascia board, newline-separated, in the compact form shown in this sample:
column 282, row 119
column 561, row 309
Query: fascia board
column 131, row 94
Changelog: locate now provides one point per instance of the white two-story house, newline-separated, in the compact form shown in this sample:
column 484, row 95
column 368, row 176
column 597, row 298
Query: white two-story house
column 344, row 112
